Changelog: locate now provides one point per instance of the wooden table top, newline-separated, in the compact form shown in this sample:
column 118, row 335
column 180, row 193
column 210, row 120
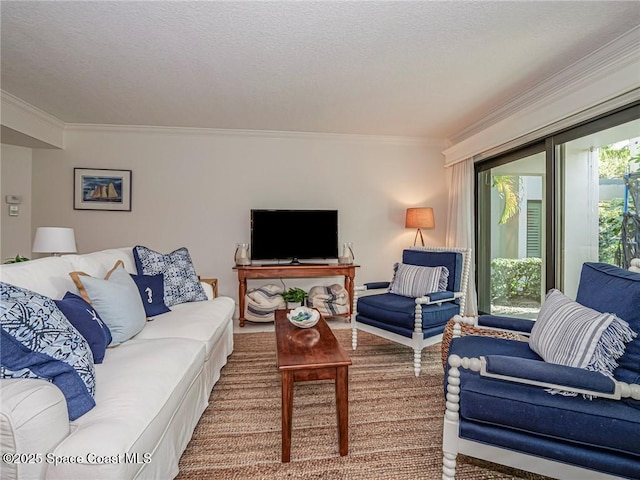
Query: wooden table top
column 305, row 348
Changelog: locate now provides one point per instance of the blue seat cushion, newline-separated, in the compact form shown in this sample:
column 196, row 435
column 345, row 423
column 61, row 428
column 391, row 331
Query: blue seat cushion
column 614, row 463
column 396, row 310
column 610, row 289
column 600, row 423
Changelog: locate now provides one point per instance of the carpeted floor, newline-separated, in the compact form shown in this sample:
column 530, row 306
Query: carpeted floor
column 395, row 419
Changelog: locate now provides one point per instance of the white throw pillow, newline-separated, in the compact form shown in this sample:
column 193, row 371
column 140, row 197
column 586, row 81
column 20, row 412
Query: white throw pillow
column 571, row 334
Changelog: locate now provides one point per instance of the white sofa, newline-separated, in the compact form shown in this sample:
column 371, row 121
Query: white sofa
column 150, row 390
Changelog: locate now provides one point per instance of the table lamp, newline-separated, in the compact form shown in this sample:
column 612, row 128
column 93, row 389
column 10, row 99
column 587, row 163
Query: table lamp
column 54, row 240
column 421, row 217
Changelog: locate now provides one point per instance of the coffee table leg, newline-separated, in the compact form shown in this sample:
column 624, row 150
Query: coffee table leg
column 287, row 410
column 342, row 403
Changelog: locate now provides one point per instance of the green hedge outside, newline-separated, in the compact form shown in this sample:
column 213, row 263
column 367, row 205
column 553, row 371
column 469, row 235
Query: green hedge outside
column 513, row 278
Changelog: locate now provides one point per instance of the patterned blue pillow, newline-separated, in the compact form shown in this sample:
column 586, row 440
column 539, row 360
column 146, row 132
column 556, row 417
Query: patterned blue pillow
column 87, row 321
column 180, row 280
column 39, row 342
column 151, row 288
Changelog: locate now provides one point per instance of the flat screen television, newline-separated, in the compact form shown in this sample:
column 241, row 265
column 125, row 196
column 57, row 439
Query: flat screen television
column 294, row 234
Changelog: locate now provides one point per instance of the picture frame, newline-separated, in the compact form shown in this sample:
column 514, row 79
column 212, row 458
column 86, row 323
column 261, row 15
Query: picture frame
column 101, row 189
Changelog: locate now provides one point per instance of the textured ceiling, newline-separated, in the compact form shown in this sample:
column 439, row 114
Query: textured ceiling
column 421, row 68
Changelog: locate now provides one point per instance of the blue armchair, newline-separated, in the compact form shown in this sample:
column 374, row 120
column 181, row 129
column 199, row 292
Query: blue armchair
column 414, row 321
column 500, row 405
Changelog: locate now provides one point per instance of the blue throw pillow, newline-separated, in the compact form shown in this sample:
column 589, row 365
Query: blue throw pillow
column 87, row 321
column 151, row 288
column 39, row 342
column 116, row 299
column 181, row 283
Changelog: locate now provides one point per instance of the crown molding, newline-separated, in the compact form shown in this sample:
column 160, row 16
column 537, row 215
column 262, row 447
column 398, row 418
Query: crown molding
column 29, row 125
column 600, row 80
column 42, row 116
column 617, row 54
column 276, row 134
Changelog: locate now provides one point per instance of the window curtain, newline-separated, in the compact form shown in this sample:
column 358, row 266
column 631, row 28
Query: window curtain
column 460, row 228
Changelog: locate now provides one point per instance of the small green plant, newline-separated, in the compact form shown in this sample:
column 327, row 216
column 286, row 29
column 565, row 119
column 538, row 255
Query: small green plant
column 295, row 295
column 17, row 259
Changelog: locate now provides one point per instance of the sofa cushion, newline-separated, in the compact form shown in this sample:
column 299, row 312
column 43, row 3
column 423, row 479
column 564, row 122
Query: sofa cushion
column 181, row 283
column 567, row 333
column 39, row 342
column 87, row 321
column 415, row 281
column 151, row 288
column 97, row 264
column 140, row 387
column 201, row 321
column 46, row 276
column 116, row 299
column 610, row 289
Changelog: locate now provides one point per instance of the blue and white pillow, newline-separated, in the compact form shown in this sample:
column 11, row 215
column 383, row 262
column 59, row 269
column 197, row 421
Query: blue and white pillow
column 151, row 288
column 39, row 342
column 567, row 333
column 87, row 321
column 181, row 283
column 416, row 281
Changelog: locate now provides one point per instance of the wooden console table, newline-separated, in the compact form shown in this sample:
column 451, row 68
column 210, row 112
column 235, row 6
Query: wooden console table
column 305, row 270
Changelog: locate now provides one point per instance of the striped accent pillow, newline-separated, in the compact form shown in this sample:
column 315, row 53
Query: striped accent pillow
column 570, row 334
column 415, row 281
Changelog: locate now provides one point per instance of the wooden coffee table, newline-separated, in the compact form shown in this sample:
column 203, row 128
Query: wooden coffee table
column 306, row 354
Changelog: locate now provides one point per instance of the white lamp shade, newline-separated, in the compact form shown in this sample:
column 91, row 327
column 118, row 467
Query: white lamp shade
column 54, row 240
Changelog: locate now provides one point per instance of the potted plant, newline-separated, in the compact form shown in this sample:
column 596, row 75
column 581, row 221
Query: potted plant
column 294, row 297
column 17, row 259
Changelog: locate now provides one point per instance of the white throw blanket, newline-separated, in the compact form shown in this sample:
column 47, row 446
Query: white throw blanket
column 260, row 303
column 331, row 300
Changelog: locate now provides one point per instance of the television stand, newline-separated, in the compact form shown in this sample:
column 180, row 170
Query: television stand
column 297, row 264
column 306, row 270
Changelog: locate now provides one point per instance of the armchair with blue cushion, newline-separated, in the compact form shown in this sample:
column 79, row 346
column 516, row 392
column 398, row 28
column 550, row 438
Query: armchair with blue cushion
column 418, row 302
column 508, row 403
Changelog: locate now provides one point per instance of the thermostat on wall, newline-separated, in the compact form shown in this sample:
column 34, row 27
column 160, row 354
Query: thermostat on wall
column 14, row 199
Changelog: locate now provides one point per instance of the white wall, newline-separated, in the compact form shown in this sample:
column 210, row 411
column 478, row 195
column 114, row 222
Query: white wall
column 15, row 174
column 195, row 188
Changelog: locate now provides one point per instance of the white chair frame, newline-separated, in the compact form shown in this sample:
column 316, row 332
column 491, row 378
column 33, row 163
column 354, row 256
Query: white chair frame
column 417, row 341
column 452, row 444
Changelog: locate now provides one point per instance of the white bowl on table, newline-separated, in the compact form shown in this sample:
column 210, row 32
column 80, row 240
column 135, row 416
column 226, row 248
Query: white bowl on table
column 303, row 317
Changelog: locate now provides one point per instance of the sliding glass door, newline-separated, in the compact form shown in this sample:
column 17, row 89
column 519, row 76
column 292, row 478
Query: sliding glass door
column 545, row 209
column 598, row 175
column 511, row 233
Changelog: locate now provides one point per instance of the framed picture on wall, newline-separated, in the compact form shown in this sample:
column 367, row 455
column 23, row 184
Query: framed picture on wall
column 101, row 189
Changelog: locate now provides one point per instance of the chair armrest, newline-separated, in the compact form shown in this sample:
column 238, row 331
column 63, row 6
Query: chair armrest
column 438, row 297
column 376, row 285
column 548, row 375
column 521, row 375
column 517, row 325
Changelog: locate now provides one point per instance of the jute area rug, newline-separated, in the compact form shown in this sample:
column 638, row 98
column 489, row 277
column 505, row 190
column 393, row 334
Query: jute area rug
column 395, row 419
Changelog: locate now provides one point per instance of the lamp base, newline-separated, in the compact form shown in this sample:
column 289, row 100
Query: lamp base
column 416, row 238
